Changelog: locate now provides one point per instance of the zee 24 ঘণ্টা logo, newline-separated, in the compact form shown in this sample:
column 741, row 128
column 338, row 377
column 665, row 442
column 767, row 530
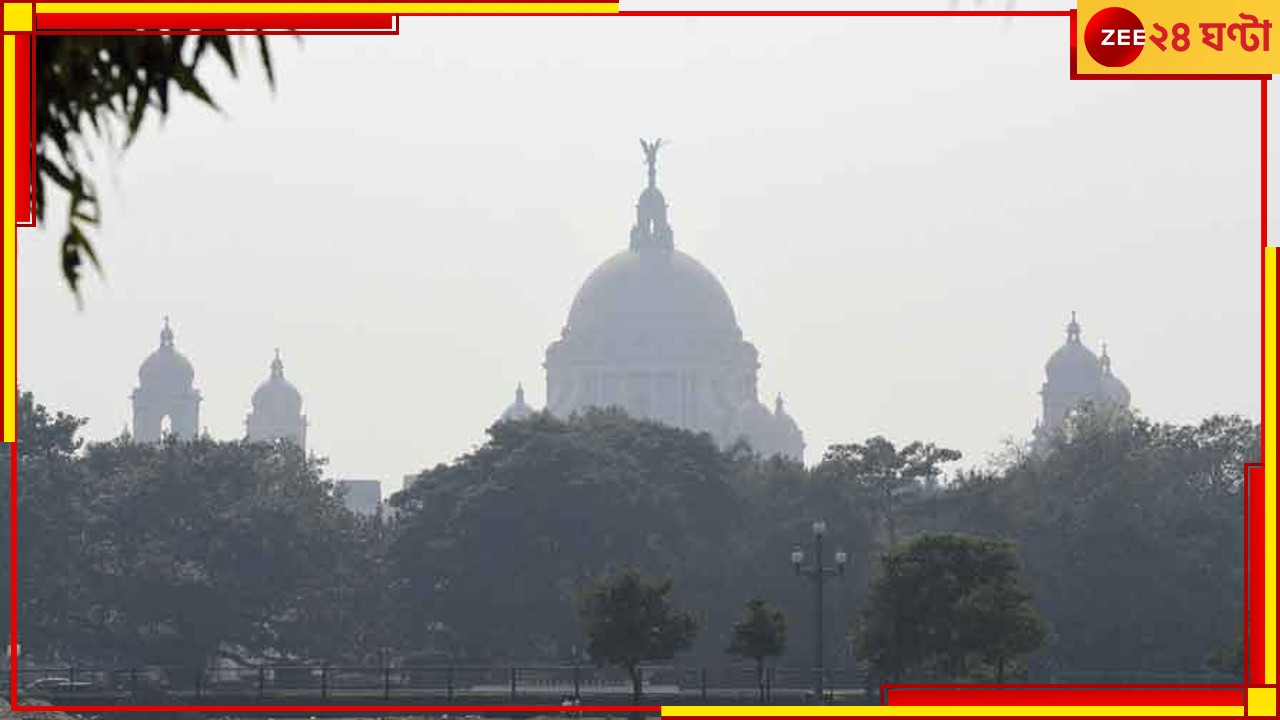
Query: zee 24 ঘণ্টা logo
column 1115, row 37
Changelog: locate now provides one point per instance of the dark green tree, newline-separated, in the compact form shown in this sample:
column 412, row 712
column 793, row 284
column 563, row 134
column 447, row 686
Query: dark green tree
column 998, row 621
column 1131, row 533
column 942, row 602
column 783, row 500
column 176, row 552
column 884, row 474
column 52, row 504
column 96, row 83
column 492, row 550
column 373, row 626
column 629, row 620
column 202, row 548
column 760, row 635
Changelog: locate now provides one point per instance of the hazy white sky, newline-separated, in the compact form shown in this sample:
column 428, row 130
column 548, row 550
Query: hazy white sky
column 903, row 211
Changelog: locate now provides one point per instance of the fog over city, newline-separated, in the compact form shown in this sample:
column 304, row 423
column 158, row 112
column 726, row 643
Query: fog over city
column 903, row 212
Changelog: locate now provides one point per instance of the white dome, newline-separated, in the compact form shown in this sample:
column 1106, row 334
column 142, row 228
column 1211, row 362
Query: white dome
column 652, row 290
column 1073, row 364
column 1112, row 388
column 518, row 410
column 651, row 330
column 277, row 395
column 166, row 368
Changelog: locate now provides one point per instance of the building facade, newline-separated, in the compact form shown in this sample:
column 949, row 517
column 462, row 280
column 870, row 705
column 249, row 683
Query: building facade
column 652, row 331
column 277, row 410
column 165, row 401
column 1074, row 375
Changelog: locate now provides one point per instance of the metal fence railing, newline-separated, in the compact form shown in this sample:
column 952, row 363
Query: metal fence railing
column 447, row 683
column 1152, row 677
column 533, row 684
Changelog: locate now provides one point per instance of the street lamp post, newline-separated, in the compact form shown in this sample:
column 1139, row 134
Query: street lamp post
column 817, row 572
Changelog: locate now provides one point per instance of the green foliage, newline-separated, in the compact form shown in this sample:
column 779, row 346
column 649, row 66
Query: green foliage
column 493, row 548
column 761, row 634
column 88, row 83
column 629, row 620
column 174, row 553
column 998, row 620
column 942, row 602
column 203, row 545
column 51, row 503
column 885, row 475
column 1131, row 533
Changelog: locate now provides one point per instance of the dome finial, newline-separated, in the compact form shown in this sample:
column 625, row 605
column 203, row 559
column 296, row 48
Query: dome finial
column 1073, row 329
column 517, row 410
column 651, row 158
column 777, row 405
column 1106, row 360
column 651, row 229
column 277, row 366
column 166, row 334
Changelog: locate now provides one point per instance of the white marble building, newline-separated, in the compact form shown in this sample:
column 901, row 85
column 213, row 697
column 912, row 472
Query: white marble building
column 652, row 331
column 277, row 410
column 1075, row 375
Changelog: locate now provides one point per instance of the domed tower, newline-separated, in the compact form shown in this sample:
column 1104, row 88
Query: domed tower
column 653, row 331
column 790, row 438
column 518, row 410
column 165, row 395
column 768, row 433
column 1112, row 389
column 277, row 410
column 1075, row 375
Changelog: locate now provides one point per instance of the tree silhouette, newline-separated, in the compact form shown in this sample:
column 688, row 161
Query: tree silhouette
column 761, row 634
column 630, row 620
column 942, row 602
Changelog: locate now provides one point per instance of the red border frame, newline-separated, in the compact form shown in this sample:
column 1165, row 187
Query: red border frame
column 924, row 695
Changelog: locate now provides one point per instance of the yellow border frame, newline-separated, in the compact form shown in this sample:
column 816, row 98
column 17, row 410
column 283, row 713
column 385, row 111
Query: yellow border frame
column 545, row 8
column 18, row 18
column 1269, row 259
column 10, row 237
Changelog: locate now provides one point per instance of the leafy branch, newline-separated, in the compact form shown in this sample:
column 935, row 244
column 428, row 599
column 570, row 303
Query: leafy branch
column 88, row 84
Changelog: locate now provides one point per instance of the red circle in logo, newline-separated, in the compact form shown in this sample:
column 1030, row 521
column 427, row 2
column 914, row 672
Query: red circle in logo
column 1110, row 38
